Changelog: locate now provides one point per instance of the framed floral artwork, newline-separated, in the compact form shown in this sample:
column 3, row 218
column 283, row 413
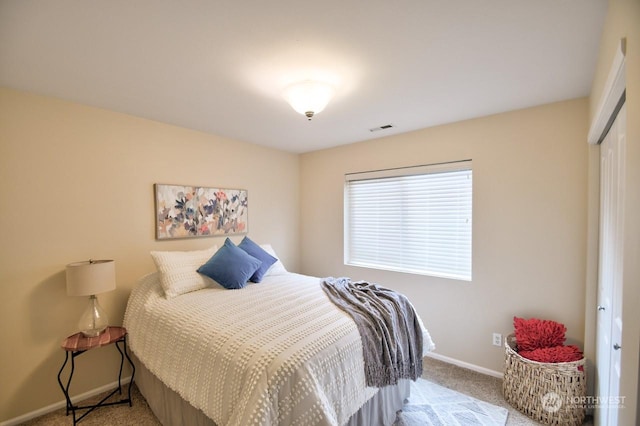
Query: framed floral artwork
column 198, row 211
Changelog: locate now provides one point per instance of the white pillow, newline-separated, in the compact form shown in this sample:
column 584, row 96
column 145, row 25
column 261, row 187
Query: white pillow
column 277, row 268
column 178, row 270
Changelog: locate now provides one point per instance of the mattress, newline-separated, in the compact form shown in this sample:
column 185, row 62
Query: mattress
column 277, row 352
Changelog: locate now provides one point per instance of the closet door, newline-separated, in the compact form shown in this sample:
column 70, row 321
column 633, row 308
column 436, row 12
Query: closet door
column 609, row 318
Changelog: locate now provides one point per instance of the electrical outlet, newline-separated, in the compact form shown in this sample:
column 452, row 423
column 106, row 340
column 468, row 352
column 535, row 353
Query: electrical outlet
column 497, row 339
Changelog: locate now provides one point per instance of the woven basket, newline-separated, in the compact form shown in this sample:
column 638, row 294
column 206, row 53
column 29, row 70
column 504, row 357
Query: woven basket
column 550, row 393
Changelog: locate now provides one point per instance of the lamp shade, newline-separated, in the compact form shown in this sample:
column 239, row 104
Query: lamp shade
column 90, row 277
column 308, row 97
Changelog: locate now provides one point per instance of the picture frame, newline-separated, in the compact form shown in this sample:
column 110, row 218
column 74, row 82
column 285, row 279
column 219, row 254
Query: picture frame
column 183, row 211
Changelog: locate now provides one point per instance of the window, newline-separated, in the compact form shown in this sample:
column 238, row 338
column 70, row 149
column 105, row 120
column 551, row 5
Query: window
column 415, row 219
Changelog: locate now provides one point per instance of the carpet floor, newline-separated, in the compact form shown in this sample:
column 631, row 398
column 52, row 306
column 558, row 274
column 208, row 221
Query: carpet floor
column 476, row 385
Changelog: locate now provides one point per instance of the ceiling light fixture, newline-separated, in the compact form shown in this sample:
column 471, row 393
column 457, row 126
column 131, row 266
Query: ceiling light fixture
column 309, row 97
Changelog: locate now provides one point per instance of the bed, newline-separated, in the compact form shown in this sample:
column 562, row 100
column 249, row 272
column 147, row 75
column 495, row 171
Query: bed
column 273, row 353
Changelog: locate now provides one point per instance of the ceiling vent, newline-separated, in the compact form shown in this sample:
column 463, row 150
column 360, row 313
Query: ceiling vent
column 385, row 127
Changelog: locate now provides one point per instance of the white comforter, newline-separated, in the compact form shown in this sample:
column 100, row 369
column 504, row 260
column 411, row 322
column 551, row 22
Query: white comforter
column 278, row 352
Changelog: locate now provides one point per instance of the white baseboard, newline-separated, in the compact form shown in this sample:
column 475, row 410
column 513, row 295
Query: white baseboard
column 463, row 364
column 62, row 404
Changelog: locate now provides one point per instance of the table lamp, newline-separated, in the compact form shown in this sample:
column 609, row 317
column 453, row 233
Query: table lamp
column 89, row 278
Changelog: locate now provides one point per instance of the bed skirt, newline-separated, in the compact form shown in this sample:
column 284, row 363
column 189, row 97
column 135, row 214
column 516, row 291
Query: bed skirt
column 172, row 410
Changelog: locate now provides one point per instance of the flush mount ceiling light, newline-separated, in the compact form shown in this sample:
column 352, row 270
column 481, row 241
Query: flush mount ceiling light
column 309, row 97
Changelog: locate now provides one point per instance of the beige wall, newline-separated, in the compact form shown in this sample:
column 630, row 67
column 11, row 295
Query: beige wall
column 622, row 21
column 77, row 182
column 529, row 223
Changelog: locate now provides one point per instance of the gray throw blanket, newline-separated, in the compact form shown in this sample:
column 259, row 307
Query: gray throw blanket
column 389, row 329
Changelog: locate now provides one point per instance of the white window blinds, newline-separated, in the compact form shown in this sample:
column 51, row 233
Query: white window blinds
column 415, row 220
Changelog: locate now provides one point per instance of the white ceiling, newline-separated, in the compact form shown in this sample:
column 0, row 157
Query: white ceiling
column 220, row 66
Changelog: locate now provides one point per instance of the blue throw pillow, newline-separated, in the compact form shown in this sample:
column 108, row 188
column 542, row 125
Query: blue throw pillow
column 259, row 253
column 230, row 266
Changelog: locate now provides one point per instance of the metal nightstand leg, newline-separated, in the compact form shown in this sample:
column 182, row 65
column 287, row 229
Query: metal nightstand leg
column 133, row 368
column 65, row 389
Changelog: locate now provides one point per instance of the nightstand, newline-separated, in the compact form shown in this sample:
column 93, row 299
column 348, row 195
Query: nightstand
column 78, row 344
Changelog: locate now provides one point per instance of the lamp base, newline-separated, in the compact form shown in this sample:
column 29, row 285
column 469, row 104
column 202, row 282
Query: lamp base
column 92, row 333
column 94, row 320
